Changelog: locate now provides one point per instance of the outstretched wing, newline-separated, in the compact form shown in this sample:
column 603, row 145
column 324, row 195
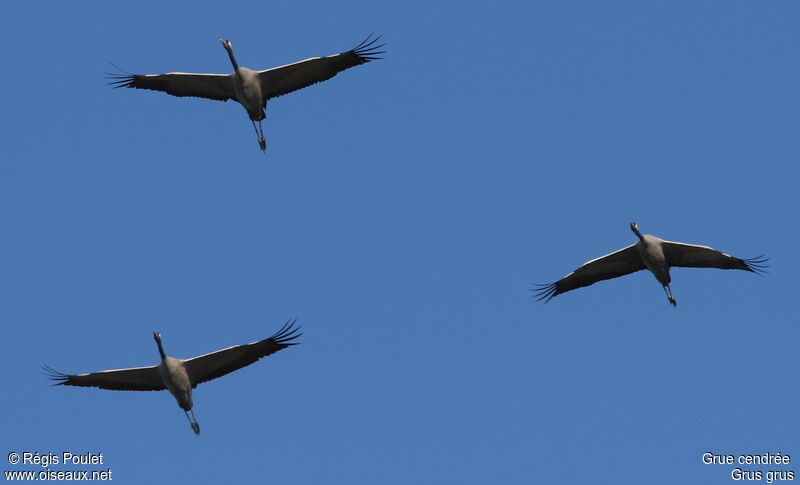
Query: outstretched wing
column 696, row 256
column 216, row 364
column 134, row 379
column 618, row 263
column 209, row 86
column 291, row 77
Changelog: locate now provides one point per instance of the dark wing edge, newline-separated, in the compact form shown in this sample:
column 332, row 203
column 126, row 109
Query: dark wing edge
column 686, row 255
column 134, row 379
column 238, row 356
column 281, row 80
column 180, row 84
column 619, row 263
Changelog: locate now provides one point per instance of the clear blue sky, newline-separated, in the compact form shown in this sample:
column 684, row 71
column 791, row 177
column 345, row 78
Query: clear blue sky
column 402, row 212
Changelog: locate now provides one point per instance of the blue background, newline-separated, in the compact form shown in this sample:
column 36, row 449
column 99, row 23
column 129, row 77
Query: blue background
column 402, row 212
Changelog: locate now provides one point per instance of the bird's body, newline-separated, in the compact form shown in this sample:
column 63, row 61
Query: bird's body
column 176, row 380
column 252, row 89
column 652, row 253
column 180, row 376
column 247, row 90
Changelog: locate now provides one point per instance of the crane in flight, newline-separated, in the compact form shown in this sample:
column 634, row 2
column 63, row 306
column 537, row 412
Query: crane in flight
column 652, row 253
column 180, row 376
column 252, row 89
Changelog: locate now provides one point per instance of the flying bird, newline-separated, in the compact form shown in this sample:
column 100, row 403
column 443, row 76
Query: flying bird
column 180, row 376
column 652, row 253
column 251, row 88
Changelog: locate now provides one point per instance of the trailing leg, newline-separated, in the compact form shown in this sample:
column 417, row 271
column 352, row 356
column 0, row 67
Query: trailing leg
column 669, row 296
column 193, row 421
column 260, row 134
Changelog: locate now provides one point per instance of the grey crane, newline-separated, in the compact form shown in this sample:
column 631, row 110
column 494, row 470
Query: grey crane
column 652, row 253
column 251, row 88
column 180, row 376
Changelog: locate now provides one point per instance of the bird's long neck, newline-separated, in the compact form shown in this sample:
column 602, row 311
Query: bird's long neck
column 636, row 231
column 161, row 349
column 233, row 59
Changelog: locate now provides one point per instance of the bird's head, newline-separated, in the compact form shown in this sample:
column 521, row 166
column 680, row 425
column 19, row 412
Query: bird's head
column 635, row 230
column 157, row 338
column 226, row 44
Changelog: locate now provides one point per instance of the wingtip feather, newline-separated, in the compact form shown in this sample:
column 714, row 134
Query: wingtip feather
column 123, row 80
column 544, row 291
column 287, row 333
column 59, row 377
column 756, row 265
column 367, row 51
